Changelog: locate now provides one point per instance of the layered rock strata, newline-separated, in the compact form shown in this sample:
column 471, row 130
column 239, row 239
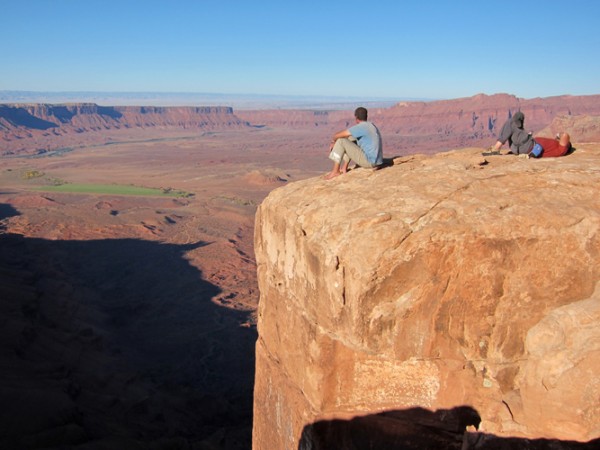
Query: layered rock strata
column 445, row 293
column 26, row 128
column 89, row 115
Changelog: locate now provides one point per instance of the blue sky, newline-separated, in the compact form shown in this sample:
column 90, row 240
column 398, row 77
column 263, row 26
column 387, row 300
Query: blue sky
column 380, row 49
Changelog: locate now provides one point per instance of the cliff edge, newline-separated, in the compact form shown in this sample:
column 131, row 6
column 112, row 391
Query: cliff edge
column 446, row 293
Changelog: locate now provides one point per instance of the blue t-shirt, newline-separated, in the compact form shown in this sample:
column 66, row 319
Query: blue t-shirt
column 369, row 140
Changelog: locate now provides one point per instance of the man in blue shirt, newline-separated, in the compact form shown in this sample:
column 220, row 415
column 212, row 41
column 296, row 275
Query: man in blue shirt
column 360, row 143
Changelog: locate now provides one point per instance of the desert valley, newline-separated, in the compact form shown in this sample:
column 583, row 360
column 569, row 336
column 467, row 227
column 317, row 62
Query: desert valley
column 129, row 289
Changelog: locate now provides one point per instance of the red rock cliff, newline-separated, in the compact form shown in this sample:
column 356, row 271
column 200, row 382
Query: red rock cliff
column 25, row 128
column 430, row 127
column 429, row 297
column 482, row 115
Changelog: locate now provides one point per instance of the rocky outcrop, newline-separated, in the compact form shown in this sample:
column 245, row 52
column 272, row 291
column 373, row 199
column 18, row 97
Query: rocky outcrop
column 446, row 297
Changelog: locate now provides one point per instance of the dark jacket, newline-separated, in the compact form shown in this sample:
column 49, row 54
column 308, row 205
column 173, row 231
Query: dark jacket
column 519, row 140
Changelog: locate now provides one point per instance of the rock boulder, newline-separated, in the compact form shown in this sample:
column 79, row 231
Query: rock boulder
column 439, row 284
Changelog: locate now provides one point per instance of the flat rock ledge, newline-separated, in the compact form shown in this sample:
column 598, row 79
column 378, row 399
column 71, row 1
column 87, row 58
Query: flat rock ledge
column 441, row 302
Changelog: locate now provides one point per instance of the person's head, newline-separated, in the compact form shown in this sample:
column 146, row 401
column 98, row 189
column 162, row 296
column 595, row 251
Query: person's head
column 519, row 119
column 360, row 113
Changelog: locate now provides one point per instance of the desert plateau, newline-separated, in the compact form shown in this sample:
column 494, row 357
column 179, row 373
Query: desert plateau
column 129, row 294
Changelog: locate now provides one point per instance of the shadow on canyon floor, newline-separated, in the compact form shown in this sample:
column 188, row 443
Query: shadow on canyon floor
column 117, row 344
column 418, row 428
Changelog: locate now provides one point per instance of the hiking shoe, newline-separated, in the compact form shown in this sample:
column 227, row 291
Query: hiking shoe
column 491, row 151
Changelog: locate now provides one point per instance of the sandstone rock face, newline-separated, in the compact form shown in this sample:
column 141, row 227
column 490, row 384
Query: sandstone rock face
column 439, row 284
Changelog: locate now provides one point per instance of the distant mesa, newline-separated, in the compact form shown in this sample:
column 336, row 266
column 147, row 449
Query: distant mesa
column 443, row 124
column 12, row 117
column 417, row 125
column 44, row 127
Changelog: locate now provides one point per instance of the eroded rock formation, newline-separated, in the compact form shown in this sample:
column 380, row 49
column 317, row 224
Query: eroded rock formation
column 440, row 294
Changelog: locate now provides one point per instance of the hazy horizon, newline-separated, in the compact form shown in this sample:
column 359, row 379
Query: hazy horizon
column 241, row 101
column 237, row 101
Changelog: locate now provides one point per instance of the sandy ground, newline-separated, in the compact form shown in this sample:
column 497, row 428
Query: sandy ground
column 128, row 322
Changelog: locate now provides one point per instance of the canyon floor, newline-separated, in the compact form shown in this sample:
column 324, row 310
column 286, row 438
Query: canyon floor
column 129, row 321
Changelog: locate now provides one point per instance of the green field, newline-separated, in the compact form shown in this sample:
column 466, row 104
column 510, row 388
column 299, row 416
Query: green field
column 113, row 189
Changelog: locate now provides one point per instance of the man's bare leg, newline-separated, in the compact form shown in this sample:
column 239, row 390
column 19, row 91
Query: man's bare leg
column 335, row 171
column 344, row 167
column 564, row 139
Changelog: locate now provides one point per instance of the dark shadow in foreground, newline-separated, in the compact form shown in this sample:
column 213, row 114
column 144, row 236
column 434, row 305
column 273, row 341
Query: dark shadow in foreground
column 117, row 344
column 420, row 429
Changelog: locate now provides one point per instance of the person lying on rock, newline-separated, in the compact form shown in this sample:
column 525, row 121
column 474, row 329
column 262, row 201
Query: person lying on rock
column 521, row 142
column 548, row 147
column 360, row 143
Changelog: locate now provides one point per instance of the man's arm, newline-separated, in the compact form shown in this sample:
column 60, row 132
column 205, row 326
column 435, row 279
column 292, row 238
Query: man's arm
column 339, row 135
